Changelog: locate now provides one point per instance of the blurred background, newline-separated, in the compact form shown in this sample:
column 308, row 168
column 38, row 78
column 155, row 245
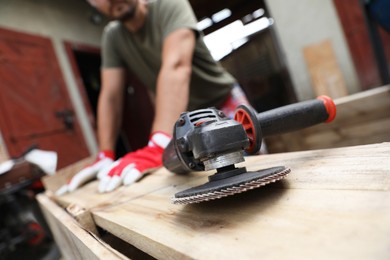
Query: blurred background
column 280, row 51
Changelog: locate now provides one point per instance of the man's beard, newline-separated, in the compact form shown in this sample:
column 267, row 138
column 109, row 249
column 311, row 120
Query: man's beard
column 129, row 14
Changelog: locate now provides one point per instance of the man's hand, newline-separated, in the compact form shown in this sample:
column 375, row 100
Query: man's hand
column 132, row 166
column 103, row 160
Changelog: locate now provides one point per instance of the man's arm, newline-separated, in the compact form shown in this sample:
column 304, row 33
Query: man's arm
column 109, row 114
column 108, row 119
column 171, row 99
column 173, row 81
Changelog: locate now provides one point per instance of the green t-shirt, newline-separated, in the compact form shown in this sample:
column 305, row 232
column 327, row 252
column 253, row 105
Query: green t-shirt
column 140, row 52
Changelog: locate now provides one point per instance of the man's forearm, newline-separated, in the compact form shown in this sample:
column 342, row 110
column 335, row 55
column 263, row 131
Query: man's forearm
column 174, row 79
column 172, row 97
column 109, row 121
column 110, row 107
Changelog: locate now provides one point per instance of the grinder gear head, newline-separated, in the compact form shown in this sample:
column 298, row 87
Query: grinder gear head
column 204, row 140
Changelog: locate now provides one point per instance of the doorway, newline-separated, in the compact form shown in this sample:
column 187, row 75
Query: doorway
column 138, row 109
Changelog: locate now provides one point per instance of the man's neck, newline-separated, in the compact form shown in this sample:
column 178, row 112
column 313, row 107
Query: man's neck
column 138, row 21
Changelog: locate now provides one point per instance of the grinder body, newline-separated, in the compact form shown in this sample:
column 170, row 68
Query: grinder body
column 200, row 137
column 206, row 139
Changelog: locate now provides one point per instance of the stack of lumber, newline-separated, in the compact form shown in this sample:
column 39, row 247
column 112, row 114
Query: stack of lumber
column 362, row 118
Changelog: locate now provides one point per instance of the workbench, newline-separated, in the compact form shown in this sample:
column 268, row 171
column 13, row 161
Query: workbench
column 335, row 204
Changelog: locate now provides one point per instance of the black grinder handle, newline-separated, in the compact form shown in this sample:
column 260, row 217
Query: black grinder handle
column 297, row 116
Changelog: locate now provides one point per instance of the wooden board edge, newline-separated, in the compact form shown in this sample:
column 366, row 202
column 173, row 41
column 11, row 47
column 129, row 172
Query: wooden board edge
column 73, row 241
column 141, row 242
column 83, row 217
column 367, row 94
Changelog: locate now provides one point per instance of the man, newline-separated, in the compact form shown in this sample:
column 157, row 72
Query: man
column 159, row 42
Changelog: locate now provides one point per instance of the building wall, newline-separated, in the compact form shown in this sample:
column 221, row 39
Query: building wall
column 58, row 20
column 301, row 23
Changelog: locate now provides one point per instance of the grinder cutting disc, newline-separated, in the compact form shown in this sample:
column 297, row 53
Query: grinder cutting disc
column 237, row 181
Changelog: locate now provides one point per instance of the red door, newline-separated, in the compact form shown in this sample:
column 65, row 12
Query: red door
column 355, row 29
column 35, row 108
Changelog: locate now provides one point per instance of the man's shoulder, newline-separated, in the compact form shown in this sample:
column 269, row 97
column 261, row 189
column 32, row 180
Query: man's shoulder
column 169, row 4
column 112, row 27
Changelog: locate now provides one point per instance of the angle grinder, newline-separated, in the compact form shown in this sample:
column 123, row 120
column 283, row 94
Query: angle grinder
column 206, row 139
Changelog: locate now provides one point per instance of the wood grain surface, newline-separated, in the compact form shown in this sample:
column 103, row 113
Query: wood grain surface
column 335, row 204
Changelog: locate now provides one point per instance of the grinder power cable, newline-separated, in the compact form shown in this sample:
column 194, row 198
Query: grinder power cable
column 206, row 139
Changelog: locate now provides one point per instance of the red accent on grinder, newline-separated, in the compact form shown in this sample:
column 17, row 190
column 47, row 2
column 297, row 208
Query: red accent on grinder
column 330, row 107
column 242, row 117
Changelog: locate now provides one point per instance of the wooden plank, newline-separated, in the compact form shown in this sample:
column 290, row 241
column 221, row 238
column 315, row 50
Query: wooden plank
column 73, row 241
column 88, row 197
column 83, row 217
column 325, row 72
column 362, row 118
column 334, row 204
column 269, row 223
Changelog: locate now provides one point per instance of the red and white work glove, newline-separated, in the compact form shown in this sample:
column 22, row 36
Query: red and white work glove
column 103, row 160
column 134, row 165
